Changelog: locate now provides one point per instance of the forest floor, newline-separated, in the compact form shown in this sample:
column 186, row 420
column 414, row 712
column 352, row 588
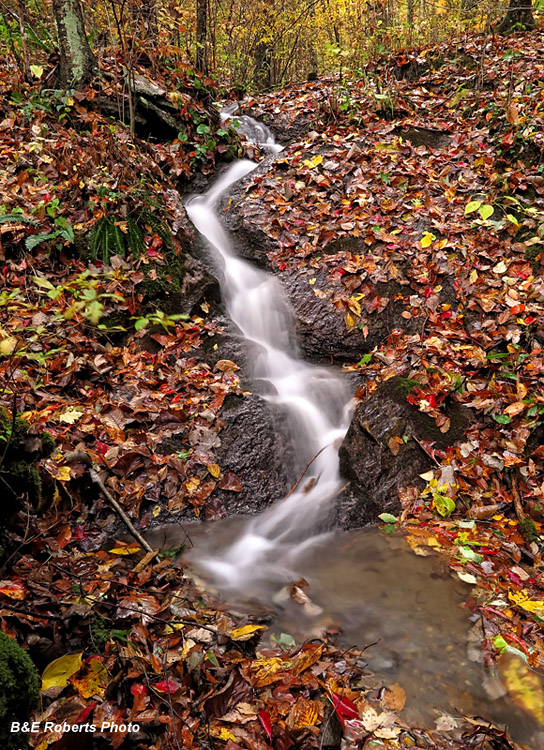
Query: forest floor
column 433, row 159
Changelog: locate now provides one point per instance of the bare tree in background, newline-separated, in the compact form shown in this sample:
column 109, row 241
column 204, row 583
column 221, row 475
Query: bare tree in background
column 77, row 62
column 519, row 17
column 202, row 36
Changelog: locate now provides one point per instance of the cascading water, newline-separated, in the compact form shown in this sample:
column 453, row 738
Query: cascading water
column 315, row 399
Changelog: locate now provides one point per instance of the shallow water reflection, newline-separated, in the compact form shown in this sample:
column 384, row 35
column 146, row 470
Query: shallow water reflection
column 375, row 590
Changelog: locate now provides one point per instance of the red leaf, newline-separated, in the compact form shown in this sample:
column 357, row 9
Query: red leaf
column 344, row 707
column 165, row 686
column 138, row 688
column 80, row 534
column 84, row 715
column 264, row 718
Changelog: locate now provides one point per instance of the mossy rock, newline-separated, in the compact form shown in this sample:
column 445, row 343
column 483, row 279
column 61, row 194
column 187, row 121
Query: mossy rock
column 18, row 467
column 19, row 691
column 162, row 280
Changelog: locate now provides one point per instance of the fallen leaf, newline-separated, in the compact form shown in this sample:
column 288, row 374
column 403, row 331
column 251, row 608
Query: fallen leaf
column 56, row 673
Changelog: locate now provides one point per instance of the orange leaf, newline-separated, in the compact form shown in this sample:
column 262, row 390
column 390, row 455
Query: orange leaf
column 515, row 408
column 12, row 589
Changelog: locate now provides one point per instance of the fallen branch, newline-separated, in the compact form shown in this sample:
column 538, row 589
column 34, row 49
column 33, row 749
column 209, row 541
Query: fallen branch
column 84, row 458
column 299, row 480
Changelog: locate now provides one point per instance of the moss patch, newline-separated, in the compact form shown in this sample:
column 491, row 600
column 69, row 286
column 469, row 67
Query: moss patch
column 19, row 691
column 21, row 450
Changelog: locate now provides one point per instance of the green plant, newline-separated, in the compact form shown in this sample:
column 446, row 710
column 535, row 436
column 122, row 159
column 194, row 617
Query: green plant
column 112, row 236
column 158, row 318
column 83, row 296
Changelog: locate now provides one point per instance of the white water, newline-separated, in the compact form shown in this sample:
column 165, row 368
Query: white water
column 315, row 399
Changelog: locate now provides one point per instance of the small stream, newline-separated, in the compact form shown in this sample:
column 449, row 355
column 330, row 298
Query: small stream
column 372, row 588
column 315, row 400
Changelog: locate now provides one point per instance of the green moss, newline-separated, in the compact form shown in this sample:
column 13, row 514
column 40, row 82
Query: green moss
column 404, row 385
column 24, row 478
column 18, row 467
column 48, row 444
column 168, row 279
column 19, row 691
column 529, row 530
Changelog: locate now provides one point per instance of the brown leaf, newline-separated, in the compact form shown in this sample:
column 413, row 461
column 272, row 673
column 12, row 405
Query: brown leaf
column 230, row 482
column 483, row 512
column 394, row 446
column 512, row 114
column 395, row 697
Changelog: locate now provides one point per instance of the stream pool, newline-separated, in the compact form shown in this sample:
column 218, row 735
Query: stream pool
column 375, row 591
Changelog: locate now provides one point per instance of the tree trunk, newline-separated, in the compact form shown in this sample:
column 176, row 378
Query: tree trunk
column 24, row 41
column 261, row 69
column 519, row 17
column 202, row 36
column 77, row 62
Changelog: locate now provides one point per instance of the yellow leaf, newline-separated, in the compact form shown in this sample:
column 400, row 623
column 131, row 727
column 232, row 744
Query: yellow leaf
column 94, row 679
column 125, row 550
column 521, row 598
column 305, row 713
column 221, row 733
column 7, row 345
column 267, row 671
column 473, row 276
column 245, row 632
column 56, row 673
column 354, row 306
column 500, row 267
column 71, row 416
column 192, row 483
column 524, row 686
column 214, row 470
column 427, row 239
column 349, row 320
column 317, row 160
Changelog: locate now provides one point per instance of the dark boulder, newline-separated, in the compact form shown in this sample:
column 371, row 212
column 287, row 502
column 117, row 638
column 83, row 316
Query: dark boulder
column 374, row 472
column 321, row 330
column 253, row 447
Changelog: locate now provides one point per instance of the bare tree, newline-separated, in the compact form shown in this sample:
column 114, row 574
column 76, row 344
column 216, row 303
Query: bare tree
column 77, row 62
column 145, row 12
column 202, row 36
column 519, row 17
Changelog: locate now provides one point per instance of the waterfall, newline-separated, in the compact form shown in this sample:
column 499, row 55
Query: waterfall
column 315, row 399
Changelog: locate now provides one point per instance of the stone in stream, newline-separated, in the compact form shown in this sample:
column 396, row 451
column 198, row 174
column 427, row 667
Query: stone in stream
column 373, row 472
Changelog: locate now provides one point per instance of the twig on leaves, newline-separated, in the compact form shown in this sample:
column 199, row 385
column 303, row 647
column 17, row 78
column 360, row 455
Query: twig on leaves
column 84, row 458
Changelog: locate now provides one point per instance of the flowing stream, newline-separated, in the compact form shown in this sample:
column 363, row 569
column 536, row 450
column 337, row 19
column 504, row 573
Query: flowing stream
column 370, row 587
column 316, row 400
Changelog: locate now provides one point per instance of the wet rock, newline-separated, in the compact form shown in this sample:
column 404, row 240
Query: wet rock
column 254, row 449
column 374, row 473
column 321, row 331
column 435, row 139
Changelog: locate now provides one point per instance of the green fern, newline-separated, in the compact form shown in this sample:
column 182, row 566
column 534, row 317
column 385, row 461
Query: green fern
column 135, row 238
column 106, row 238
column 16, row 217
column 159, row 227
